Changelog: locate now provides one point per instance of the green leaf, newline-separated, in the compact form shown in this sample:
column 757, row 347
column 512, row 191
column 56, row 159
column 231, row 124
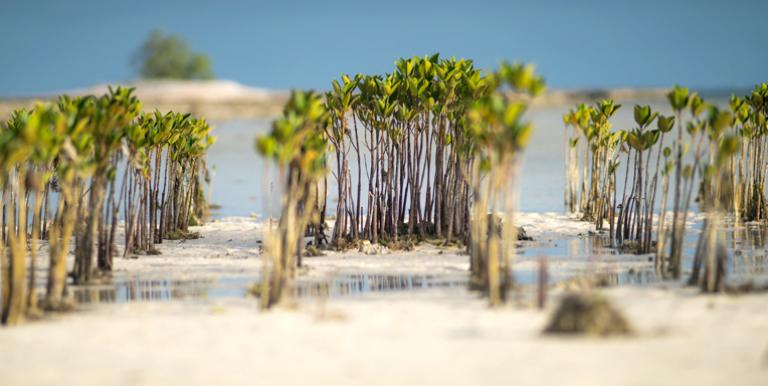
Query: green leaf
column 678, row 98
column 642, row 115
column 665, row 124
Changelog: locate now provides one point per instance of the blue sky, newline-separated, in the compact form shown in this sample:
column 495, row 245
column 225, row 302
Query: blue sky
column 56, row 45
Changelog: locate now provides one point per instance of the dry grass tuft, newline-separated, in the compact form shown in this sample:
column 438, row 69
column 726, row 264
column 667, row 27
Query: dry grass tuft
column 587, row 315
column 182, row 235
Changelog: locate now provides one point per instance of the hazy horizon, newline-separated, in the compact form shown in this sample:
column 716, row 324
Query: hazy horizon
column 705, row 45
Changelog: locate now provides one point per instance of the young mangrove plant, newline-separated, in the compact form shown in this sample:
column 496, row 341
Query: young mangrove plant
column 639, row 194
column 665, row 125
column 298, row 145
column 499, row 134
column 19, row 163
column 602, row 148
column 67, row 155
column 396, row 141
column 109, row 116
column 339, row 103
column 713, row 173
column 750, row 201
column 591, row 169
column 416, row 155
column 590, row 160
column 71, row 168
column 648, row 162
column 578, row 120
column 680, row 98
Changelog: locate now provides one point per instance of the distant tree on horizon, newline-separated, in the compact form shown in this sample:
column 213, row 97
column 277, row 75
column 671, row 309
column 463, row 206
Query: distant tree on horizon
column 166, row 56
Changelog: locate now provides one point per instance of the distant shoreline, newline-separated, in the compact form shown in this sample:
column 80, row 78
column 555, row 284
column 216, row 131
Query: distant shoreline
column 227, row 100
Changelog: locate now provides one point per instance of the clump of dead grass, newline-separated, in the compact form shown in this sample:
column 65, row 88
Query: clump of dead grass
column 588, row 314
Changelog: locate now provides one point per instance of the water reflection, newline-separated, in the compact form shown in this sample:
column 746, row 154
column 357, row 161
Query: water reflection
column 122, row 291
column 581, row 247
column 750, row 256
column 137, row 290
column 347, row 285
column 747, row 246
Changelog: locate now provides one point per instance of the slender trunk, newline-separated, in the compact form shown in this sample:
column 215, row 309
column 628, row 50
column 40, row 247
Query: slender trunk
column 34, row 247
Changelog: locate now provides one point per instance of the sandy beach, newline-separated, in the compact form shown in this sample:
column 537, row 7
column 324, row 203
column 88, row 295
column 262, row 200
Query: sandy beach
column 429, row 336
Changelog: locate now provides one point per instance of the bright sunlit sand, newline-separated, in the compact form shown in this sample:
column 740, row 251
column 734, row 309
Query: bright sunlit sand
column 166, row 325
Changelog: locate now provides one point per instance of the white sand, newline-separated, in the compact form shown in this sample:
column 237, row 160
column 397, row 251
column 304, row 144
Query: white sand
column 231, row 246
column 433, row 338
column 188, row 90
column 428, row 337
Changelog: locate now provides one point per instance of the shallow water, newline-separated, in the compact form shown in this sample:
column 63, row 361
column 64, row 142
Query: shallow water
column 241, row 178
column 141, row 290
